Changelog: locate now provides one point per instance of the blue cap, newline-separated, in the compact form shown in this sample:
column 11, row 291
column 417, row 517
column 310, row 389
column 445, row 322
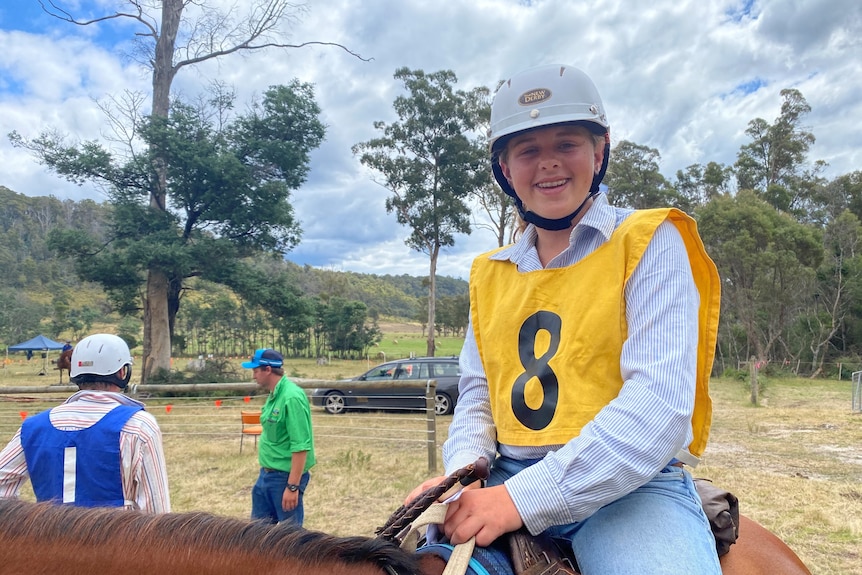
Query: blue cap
column 262, row 357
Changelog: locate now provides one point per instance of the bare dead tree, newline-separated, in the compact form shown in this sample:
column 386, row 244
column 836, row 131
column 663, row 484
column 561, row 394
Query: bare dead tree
column 168, row 42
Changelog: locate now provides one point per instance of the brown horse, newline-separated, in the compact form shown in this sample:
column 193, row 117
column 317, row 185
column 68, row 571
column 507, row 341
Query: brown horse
column 42, row 538
column 64, row 362
column 39, row 538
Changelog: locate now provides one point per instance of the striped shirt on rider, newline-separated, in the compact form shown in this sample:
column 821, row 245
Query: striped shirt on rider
column 631, row 439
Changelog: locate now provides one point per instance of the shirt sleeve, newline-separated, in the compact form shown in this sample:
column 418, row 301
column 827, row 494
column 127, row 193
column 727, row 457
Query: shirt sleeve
column 632, row 438
column 149, row 477
column 298, row 423
column 13, row 468
column 472, row 433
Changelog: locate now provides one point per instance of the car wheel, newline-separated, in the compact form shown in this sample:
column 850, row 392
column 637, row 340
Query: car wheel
column 334, row 403
column 442, row 404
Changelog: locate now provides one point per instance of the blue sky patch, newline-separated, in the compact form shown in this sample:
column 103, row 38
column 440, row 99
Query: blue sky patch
column 741, row 11
column 28, row 16
column 746, row 88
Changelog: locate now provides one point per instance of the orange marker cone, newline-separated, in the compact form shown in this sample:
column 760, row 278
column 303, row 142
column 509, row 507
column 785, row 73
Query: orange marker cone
column 23, row 414
column 218, row 403
column 168, row 408
column 246, row 399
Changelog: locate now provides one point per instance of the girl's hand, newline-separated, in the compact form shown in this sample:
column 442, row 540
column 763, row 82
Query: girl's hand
column 484, row 513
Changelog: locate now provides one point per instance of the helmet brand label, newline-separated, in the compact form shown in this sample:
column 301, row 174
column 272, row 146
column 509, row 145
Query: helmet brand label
column 85, row 363
column 534, row 96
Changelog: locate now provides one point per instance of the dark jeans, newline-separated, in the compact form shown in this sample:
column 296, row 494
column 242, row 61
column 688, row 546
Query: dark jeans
column 266, row 496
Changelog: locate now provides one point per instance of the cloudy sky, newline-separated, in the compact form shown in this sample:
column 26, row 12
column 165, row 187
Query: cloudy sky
column 682, row 76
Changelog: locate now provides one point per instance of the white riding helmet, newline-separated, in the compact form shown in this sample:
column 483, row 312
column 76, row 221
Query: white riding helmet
column 98, row 358
column 538, row 97
column 545, row 95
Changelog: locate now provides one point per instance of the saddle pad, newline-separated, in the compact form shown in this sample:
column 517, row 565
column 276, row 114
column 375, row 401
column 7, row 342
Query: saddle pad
column 485, row 560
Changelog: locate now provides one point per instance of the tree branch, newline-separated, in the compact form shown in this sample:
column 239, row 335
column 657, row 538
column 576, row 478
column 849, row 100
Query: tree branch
column 61, row 14
column 246, row 46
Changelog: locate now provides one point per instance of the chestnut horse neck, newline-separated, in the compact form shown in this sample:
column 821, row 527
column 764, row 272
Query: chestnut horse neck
column 45, row 538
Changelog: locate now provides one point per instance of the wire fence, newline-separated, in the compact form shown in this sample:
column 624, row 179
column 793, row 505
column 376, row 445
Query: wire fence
column 219, row 416
column 826, row 370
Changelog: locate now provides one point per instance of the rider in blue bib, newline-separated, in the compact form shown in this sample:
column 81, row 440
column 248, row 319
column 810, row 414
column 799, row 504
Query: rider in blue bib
column 97, row 449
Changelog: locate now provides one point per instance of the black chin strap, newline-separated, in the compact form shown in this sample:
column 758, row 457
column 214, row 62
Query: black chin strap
column 554, row 225
column 557, row 224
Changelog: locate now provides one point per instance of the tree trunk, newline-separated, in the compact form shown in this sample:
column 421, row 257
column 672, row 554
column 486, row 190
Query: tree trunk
column 157, row 336
column 157, row 314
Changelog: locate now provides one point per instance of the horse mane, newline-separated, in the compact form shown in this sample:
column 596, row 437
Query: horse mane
column 179, row 532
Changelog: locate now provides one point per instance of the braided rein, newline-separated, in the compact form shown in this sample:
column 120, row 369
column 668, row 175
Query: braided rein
column 399, row 522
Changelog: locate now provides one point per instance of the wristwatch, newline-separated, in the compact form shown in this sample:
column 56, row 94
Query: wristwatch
column 292, row 487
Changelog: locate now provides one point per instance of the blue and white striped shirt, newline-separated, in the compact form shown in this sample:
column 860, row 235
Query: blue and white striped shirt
column 632, row 438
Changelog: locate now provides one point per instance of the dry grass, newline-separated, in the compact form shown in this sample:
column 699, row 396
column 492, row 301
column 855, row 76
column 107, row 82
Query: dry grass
column 795, row 464
column 794, row 461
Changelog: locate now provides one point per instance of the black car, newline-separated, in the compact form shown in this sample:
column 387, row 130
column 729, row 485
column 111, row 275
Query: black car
column 379, row 389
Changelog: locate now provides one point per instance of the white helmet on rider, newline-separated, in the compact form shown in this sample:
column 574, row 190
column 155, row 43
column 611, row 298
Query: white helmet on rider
column 101, row 358
column 538, row 97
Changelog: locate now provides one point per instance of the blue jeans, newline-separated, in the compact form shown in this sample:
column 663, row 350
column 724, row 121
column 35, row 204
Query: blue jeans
column 659, row 528
column 266, row 496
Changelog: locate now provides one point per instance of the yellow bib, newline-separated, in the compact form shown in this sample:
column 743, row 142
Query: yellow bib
column 551, row 340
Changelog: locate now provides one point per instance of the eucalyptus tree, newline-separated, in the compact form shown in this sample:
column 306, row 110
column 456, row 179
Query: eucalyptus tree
column 171, row 35
column 766, row 261
column 453, row 314
column 498, row 207
column 20, row 316
column 347, row 328
column 775, row 162
column 838, row 277
column 845, row 192
column 228, row 186
column 697, row 184
column 430, row 164
column 634, row 180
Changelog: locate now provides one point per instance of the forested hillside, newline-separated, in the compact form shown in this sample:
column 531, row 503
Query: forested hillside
column 40, row 291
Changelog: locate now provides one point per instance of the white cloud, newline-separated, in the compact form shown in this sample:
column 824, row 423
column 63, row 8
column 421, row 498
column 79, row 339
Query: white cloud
column 684, row 77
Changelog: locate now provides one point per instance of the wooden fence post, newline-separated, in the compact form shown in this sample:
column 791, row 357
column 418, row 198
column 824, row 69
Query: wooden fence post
column 431, row 419
column 752, row 369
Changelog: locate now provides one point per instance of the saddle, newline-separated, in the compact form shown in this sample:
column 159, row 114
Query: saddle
column 528, row 554
column 539, row 555
column 524, row 553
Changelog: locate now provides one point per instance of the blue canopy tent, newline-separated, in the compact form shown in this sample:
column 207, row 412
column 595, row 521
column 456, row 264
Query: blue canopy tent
column 38, row 343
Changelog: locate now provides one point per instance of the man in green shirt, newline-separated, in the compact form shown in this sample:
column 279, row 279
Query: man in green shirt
column 286, row 447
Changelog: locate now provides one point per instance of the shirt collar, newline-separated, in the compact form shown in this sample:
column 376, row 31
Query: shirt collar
column 600, row 217
column 103, row 397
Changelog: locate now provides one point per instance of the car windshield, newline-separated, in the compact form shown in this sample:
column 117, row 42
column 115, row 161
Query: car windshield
column 403, row 370
column 381, row 372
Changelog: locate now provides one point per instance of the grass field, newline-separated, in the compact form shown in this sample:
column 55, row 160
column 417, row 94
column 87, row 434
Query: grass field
column 794, row 461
